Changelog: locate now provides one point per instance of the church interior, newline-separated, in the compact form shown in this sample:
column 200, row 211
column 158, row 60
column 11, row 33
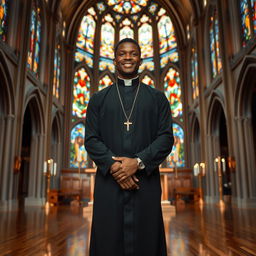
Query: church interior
column 55, row 54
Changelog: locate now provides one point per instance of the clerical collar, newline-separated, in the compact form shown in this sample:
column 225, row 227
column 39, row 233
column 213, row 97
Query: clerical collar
column 128, row 82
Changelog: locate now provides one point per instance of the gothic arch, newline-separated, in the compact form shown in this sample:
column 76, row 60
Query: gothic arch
column 244, row 87
column 216, row 105
column 7, row 117
column 6, row 85
column 34, row 100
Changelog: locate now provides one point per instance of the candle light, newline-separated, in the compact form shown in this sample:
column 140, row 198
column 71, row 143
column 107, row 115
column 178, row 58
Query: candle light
column 202, row 165
column 223, row 164
column 54, row 169
column 45, row 167
column 216, row 164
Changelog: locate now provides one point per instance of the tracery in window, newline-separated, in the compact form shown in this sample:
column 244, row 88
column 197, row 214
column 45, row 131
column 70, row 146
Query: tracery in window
column 148, row 80
column 173, row 91
column 56, row 72
column 81, row 93
column 107, row 44
column 177, row 158
column 85, row 40
column 194, row 74
column 167, row 39
column 248, row 19
column 3, row 19
column 215, row 44
column 105, row 82
column 146, row 43
column 127, row 7
column 126, row 30
column 35, row 39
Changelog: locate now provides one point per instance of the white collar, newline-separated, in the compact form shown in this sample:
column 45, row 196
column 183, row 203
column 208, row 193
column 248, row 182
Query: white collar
column 128, row 82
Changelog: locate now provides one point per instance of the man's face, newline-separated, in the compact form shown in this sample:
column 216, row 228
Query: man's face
column 127, row 60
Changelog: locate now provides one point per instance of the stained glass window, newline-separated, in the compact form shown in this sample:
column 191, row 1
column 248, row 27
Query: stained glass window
column 126, row 31
column 81, row 93
column 3, row 19
column 101, row 7
column 107, row 45
column 104, row 82
column 215, row 44
column 85, row 40
column 177, row 158
column 194, row 74
column 56, row 72
column 173, row 91
column 152, row 8
column 248, row 17
column 127, row 6
column 146, row 43
column 35, row 39
column 78, row 154
column 148, row 80
column 167, row 39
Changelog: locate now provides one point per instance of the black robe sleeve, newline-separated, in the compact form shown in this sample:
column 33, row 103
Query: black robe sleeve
column 153, row 155
column 97, row 150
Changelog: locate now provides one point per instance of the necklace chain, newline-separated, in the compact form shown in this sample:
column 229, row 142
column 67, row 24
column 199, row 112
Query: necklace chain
column 122, row 105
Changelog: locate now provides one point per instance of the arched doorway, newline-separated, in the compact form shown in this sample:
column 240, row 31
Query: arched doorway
column 223, row 141
column 25, row 157
column 254, row 120
column 218, row 153
column 31, row 179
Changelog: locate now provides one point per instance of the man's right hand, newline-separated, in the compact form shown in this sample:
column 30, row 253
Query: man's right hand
column 129, row 183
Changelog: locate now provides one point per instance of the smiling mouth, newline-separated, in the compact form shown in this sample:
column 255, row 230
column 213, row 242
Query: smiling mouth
column 127, row 65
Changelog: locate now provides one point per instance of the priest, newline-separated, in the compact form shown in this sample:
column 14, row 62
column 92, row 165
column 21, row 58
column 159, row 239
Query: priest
column 128, row 134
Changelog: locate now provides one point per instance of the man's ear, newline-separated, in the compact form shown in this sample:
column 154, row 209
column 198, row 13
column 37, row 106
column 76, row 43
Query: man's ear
column 114, row 61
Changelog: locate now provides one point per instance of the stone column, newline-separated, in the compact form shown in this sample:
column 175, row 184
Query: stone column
column 7, row 159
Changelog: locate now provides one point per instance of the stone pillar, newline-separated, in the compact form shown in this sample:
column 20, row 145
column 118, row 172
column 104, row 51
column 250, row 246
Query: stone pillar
column 7, row 159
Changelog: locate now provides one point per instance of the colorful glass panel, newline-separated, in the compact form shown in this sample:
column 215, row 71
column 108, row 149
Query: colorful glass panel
column 35, row 39
column 148, row 80
column 78, row 154
column 253, row 4
column 85, row 41
column 101, row 7
column 167, row 40
column 56, row 73
column 246, row 21
column 127, row 6
column 152, row 8
column 107, row 41
column 126, row 30
column 3, row 19
column 147, row 64
column 81, row 93
column 105, row 82
column 146, row 40
column 215, row 45
column 107, row 47
column 194, row 74
column 177, row 156
column 173, row 91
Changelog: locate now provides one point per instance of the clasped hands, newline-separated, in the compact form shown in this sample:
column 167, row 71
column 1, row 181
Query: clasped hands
column 123, row 171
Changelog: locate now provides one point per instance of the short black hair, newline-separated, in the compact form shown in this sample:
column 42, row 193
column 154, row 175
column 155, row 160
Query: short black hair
column 127, row 40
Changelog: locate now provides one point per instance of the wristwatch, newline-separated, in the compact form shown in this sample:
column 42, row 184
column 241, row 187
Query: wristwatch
column 140, row 164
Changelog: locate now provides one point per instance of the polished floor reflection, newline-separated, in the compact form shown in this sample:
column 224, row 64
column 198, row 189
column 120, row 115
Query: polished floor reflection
column 65, row 230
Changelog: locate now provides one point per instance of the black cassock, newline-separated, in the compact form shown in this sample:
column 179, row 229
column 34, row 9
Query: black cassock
column 128, row 223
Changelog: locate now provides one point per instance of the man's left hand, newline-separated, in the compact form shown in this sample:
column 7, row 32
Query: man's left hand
column 128, row 167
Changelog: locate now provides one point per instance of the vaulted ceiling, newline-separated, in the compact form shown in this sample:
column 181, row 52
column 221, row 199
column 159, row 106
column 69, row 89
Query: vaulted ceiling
column 183, row 12
column 184, row 8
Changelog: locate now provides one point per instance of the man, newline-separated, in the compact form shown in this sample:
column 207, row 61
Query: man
column 128, row 134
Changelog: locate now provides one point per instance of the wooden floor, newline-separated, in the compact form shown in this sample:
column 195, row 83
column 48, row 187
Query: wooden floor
column 64, row 231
